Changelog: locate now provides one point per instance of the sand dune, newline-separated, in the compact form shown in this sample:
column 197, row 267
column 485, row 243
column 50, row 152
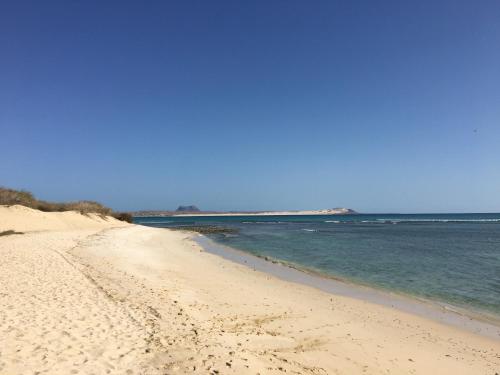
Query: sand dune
column 25, row 219
column 124, row 299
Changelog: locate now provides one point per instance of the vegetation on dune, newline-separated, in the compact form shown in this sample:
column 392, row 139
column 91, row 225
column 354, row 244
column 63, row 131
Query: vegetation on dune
column 11, row 197
column 123, row 216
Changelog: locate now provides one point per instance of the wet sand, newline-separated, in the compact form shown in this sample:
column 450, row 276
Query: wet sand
column 474, row 321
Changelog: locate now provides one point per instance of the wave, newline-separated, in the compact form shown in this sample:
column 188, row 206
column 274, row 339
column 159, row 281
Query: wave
column 155, row 222
column 413, row 221
column 310, row 230
column 332, row 221
column 392, row 221
column 265, row 222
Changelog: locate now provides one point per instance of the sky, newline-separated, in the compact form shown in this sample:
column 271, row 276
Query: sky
column 379, row 106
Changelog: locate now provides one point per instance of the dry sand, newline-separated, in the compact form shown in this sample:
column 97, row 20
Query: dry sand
column 25, row 219
column 85, row 295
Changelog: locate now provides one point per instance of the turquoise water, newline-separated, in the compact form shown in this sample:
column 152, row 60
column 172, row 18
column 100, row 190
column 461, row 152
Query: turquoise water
column 452, row 258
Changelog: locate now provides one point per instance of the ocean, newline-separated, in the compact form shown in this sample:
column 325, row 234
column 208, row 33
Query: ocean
column 447, row 258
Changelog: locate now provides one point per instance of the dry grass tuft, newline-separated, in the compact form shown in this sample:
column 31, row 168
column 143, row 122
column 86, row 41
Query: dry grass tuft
column 10, row 197
column 9, row 232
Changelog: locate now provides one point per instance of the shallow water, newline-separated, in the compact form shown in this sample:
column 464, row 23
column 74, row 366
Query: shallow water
column 451, row 258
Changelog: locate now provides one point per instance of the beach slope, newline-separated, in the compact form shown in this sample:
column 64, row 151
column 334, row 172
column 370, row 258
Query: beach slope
column 87, row 294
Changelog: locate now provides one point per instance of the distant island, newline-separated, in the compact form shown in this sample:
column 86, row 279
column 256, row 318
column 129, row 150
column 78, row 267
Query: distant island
column 195, row 211
column 187, row 209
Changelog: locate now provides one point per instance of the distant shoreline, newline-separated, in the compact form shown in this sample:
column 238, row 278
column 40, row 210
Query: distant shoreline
column 331, row 211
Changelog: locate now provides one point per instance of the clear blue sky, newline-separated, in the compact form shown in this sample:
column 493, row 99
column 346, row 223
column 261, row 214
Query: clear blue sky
column 381, row 106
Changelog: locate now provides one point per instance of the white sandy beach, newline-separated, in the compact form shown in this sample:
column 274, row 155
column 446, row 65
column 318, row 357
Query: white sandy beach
column 88, row 295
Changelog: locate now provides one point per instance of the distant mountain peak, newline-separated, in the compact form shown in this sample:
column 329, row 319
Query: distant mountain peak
column 191, row 208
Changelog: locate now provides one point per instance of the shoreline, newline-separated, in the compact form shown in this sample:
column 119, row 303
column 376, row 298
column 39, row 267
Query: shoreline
column 86, row 295
column 479, row 322
column 278, row 213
